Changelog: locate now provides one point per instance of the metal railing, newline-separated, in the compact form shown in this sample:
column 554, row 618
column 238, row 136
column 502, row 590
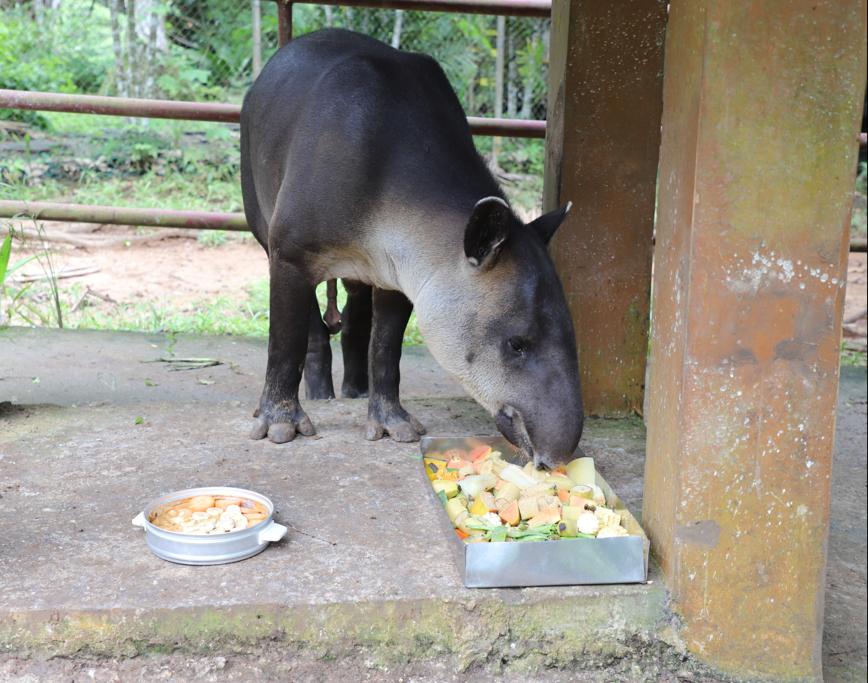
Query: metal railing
column 222, row 112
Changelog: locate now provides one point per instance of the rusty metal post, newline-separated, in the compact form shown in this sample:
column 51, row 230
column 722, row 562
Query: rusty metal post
column 284, row 22
column 762, row 103
column 603, row 133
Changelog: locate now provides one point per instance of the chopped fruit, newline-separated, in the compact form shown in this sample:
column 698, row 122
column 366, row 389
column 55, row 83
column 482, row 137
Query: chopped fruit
column 454, row 507
column 581, row 471
column 506, row 489
column 490, row 499
column 528, row 507
column 479, row 453
column 477, row 483
column 510, row 514
column 546, row 516
column 569, row 519
column 478, row 507
column 607, row 517
column 449, row 488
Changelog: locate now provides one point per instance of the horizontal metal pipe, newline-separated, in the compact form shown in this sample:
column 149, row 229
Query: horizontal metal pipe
column 119, row 106
column 208, row 111
column 117, row 215
column 515, row 8
column 157, row 218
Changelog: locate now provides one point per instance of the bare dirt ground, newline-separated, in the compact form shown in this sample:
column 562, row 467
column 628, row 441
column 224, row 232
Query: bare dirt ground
column 180, row 271
column 177, row 271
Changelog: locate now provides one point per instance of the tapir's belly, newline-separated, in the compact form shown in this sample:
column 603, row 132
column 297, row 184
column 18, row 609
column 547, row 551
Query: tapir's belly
column 356, row 263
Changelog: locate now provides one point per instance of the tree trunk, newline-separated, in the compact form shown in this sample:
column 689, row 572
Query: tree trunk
column 256, row 20
column 527, row 95
column 329, row 16
column 116, row 9
column 498, row 83
column 396, row 30
column 151, row 51
column 39, row 13
column 132, row 57
column 511, row 78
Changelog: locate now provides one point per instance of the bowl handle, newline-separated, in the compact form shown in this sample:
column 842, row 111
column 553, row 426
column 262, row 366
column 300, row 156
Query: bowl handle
column 272, row 533
column 139, row 520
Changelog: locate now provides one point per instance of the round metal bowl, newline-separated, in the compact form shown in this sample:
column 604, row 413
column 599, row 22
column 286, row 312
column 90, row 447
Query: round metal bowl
column 210, row 548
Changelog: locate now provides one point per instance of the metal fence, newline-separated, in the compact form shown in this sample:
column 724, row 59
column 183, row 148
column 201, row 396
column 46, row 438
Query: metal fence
column 210, row 51
column 140, row 50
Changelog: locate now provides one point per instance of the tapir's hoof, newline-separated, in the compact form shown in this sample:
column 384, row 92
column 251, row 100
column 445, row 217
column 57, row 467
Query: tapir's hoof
column 282, row 428
column 351, row 391
column 398, row 424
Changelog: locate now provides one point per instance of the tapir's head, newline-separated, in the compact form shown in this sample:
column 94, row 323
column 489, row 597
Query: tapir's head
column 497, row 319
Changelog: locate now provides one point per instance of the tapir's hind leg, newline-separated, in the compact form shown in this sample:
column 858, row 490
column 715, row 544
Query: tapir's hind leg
column 280, row 413
column 355, row 337
column 318, row 363
column 385, row 413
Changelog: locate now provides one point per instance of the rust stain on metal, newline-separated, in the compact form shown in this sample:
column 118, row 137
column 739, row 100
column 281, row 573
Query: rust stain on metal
column 705, row 533
column 760, row 114
column 605, row 101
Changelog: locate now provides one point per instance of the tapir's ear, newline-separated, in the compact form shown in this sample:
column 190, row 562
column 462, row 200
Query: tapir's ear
column 548, row 223
column 486, row 230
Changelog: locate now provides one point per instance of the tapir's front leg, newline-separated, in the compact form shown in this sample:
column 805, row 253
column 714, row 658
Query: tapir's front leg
column 280, row 414
column 385, row 413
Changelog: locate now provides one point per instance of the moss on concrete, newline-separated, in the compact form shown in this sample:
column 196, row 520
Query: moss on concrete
column 489, row 633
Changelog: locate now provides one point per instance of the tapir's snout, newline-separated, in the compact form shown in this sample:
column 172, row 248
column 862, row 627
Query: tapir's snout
column 550, row 443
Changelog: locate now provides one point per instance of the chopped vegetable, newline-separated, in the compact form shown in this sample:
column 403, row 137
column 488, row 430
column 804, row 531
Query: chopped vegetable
column 488, row 499
column 587, row 523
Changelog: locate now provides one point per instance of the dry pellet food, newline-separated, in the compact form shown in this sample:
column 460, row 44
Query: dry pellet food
column 206, row 514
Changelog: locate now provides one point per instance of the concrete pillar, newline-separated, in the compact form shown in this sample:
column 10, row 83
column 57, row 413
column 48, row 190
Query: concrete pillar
column 603, row 135
column 762, row 104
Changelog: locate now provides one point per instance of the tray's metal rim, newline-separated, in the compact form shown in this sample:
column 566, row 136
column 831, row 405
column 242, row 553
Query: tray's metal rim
column 468, row 555
column 204, row 549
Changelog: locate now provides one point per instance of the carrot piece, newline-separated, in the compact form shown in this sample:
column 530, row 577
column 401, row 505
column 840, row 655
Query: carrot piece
column 461, row 534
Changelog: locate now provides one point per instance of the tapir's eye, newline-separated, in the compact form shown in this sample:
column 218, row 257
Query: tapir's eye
column 517, row 345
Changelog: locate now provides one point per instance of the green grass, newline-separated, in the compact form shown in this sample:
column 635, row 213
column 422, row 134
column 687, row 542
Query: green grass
column 207, row 316
column 853, row 357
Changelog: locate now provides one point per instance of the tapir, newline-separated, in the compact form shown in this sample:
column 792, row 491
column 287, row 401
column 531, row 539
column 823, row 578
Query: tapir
column 357, row 163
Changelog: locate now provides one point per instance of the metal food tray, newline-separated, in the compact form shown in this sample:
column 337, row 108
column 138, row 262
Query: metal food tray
column 566, row 561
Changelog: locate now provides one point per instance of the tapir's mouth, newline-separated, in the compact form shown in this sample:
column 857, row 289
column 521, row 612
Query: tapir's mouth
column 511, row 425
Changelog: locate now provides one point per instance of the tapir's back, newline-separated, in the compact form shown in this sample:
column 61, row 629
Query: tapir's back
column 340, row 120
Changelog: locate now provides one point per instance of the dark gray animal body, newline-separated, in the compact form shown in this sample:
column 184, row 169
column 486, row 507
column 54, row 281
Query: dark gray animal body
column 357, row 163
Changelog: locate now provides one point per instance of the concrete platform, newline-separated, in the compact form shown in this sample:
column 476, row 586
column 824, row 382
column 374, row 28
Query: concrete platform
column 363, row 587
